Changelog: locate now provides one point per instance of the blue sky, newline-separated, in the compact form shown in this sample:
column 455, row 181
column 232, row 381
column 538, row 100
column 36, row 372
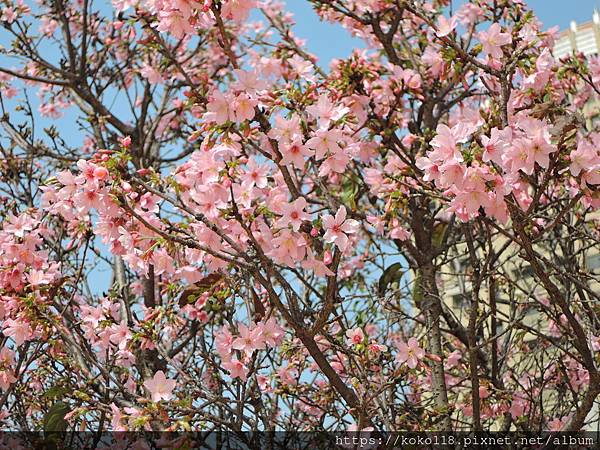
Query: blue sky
column 329, row 41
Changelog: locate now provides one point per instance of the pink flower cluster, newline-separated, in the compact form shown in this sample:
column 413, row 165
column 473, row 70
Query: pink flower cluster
column 250, row 339
column 25, row 270
column 479, row 177
column 181, row 18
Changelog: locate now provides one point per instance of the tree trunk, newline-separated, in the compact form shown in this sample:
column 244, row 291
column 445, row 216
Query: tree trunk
column 432, row 308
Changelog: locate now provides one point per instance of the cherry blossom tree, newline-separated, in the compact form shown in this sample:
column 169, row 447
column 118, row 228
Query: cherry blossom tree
column 280, row 233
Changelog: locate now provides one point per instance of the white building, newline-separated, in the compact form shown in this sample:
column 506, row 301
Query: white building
column 584, row 38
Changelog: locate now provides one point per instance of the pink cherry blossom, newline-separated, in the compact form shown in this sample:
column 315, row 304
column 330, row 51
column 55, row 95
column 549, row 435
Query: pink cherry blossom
column 243, row 108
column 236, row 369
column 493, row 39
column 151, row 74
column 583, row 158
column 355, row 337
column 286, row 130
column 325, row 141
column 174, row 22
column 219, row 108
column 249, row 339
column 160, row 387
column 17, row 329
column 7, row 377
column 8, row 15
column 255, row 174
column 294, row 153
column 117, row 418
column 325, row 111
column 445, row 26
column 376, row 348
column 293, row 214
column 120, row 335
column 319, row 267
column 288, row 248
column 238, row 10
column 338, row 228
column 410, row 354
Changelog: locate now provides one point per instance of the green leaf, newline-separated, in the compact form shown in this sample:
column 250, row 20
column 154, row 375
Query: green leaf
column 54, row 420
column 417, row 293
column 349, row 193
column 438, row 234
column 390, row 275
column 55, row 392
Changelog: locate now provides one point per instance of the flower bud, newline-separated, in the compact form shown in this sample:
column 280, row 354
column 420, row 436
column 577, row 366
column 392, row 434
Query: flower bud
column 101, row 173
column 126, row 141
